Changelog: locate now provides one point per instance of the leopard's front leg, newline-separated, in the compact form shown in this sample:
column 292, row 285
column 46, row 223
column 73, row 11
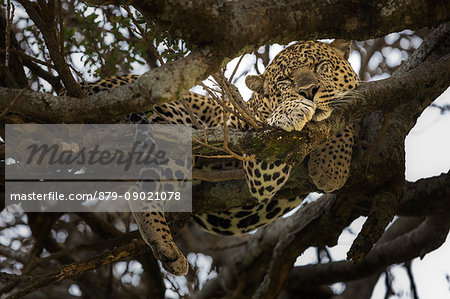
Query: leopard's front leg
column 266, row 179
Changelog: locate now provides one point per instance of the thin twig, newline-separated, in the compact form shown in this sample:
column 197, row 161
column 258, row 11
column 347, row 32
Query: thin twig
column 230, row 153
column 225, row 130
column 79, row 74
column 222, row 102
column 235, row 69
column 411, row 279
column 191, row 113
column 104, row 244
column 212, row 94
column 43, row 15
column 9, row 19
column 143, row 33
column 225, row 139
column 236, row 100
column 14, row 277
column 34, row 59
column 78, row 268
column 61, row 28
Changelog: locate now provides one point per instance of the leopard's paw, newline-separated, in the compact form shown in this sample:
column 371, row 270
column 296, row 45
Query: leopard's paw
column 172, row 260
column 156, row 234
column 292, row 115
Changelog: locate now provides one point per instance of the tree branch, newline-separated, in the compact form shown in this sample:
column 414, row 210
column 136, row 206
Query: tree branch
column 215, row 29
column 43, row 15
column 13, row 75
column 369, row 169
column 362, row 287
column 160, row 85
column 425, row 196
column 302, row 227
column 78, row 268
column 228, row 26
column 157, row 86
column 412, row 88
column 428, row 236
column 260, row 247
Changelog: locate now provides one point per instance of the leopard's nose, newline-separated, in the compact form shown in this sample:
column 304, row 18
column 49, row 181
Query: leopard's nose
column 307, row 83
column 309, row 91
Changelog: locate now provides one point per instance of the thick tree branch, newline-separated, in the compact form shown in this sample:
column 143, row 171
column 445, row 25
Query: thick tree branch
column 302, row 230
column 425, row 238
column 160, row 85
column 207, row 23
column 425, row 196
column 412, row 88
column 382, row 211
column 260, row 248
column 230, row 26
column 370, row 169
column 362, row 287
column 156, row 87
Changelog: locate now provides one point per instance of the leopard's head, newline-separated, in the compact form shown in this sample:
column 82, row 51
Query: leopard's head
column 313, row 70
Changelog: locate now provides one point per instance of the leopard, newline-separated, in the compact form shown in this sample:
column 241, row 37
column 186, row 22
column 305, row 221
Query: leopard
column 304, row 83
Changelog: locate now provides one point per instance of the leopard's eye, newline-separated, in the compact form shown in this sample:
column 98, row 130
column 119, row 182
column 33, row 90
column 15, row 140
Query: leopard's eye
column 323, row 67
column 284, row 81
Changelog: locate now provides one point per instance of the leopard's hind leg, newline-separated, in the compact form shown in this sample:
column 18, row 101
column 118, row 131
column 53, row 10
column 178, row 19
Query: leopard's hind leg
column 156, row 233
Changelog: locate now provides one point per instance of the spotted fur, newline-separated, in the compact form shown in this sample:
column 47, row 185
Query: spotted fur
column 303, row 83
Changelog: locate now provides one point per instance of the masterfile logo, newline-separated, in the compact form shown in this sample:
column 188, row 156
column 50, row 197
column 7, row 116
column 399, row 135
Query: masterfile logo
column 54, row 155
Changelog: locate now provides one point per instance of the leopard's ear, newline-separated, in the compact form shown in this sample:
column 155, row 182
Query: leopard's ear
column 255, row 83
column 342, row 47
